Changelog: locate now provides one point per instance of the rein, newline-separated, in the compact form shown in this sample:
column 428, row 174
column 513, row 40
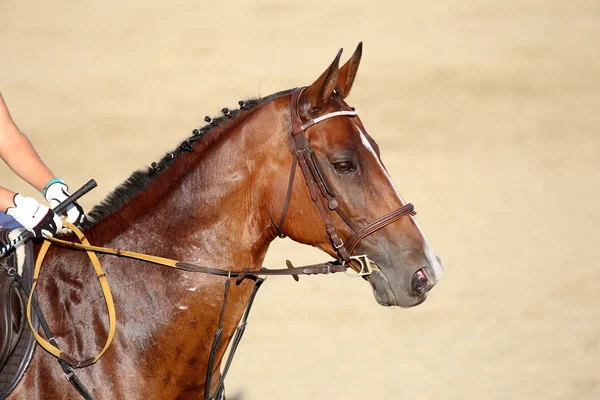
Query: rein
column 67, row 360
column 313, row 269
column 46, row 344
column 52, row 347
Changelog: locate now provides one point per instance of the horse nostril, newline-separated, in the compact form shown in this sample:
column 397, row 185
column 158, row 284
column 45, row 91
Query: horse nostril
column 419, row 281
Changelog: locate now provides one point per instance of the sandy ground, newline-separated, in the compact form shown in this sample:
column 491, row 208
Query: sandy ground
column 487, row 114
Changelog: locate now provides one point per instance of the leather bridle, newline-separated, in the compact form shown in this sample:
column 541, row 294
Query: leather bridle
column 304, row 156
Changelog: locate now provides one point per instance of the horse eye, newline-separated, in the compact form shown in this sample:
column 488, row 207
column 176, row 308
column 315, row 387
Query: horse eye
column 344, row 167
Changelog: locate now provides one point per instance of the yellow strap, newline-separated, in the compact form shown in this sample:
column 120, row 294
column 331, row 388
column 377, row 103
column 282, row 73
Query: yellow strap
column 105, row 290
column 85, row 245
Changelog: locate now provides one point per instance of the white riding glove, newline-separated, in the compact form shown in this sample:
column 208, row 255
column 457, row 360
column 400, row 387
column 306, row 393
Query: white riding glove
column 56, row 192
column 35, row 217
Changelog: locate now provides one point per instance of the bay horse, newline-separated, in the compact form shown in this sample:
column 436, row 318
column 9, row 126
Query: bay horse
column 219, row 200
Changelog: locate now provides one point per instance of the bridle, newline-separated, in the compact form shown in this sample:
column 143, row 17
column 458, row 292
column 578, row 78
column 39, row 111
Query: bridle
column 304, row 156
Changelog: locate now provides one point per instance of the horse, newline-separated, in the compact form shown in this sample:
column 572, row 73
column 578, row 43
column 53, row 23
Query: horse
column 219, row 200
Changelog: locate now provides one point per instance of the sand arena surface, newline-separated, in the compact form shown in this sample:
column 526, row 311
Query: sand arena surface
column 487, row 116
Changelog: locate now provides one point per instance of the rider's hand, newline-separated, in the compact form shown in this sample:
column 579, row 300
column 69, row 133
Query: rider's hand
column 56, row 192
column 35, row 217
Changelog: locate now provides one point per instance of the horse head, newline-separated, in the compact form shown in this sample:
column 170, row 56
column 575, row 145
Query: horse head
column 354, row 190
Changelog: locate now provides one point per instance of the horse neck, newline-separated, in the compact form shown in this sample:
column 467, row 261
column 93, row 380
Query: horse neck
column 209, row 205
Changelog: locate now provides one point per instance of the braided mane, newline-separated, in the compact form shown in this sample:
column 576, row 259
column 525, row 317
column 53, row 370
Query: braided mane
column 141, row 178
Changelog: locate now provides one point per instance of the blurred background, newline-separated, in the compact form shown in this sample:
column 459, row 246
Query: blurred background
column 487, row 114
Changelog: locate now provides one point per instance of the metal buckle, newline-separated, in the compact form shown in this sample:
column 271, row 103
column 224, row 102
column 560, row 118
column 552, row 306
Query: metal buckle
column 367, row 266
column 69, row 375
column 9, row 270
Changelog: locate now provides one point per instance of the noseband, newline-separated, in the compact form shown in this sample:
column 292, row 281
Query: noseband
column 304, row 156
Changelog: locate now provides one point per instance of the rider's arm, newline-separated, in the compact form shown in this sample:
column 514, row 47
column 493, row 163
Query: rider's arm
column 18, row 153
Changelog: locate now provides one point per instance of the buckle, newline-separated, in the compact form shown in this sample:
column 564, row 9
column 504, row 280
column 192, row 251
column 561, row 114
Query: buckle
column 367, row 266
column 339, row 246
column 69, row 375
column 11, row 271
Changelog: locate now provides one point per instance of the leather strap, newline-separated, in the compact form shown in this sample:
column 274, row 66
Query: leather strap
column 55, row 351
column 378, row 224
column 313, row 269
column 287, row 197
column 313, row 179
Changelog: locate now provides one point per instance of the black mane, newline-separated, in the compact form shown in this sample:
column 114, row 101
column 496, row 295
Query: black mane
column 140, row 179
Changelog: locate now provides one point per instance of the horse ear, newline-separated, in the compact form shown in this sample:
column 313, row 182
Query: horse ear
column 348, row 72
column 315, row 96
